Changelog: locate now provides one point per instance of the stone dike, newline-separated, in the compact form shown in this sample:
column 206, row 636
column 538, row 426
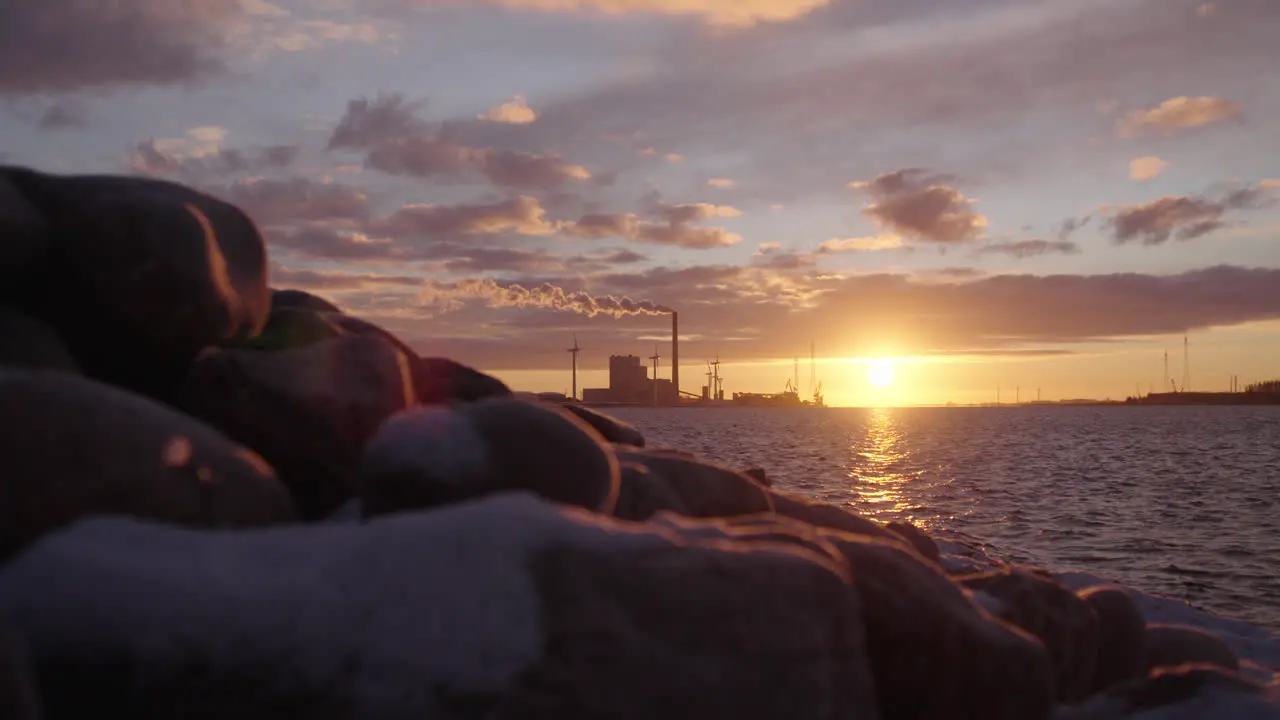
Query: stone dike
column 226, row 500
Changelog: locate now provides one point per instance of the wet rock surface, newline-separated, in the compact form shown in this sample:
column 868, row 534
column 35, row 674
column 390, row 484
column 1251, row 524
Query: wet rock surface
column 224, row 500
column 1062, row 620
column 77, row 448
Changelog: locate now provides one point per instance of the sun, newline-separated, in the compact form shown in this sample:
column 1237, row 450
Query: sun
column 880, row 373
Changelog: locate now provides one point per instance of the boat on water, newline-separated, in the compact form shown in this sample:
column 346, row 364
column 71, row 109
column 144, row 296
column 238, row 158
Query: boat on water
column 790, row 397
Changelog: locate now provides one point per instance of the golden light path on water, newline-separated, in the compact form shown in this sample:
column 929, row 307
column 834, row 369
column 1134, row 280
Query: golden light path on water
column 880, row 466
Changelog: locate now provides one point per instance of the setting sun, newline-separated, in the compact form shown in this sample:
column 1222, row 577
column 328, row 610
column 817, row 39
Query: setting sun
column 880, row 373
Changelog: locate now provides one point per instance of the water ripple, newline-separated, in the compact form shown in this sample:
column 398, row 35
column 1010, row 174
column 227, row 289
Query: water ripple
column 1174, row 501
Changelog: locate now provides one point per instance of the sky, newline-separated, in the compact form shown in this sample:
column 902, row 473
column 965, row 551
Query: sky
column 1011, row 198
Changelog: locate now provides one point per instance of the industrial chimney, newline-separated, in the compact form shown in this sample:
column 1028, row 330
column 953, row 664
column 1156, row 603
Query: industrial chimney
column 675, row 354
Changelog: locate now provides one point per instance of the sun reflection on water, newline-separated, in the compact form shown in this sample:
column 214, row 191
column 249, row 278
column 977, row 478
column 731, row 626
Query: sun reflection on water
column 880, row 468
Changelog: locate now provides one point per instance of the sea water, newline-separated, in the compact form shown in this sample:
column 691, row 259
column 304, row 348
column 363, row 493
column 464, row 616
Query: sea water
column 1180, row 502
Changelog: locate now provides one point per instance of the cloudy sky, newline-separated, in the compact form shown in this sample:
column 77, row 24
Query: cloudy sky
column 995, row 193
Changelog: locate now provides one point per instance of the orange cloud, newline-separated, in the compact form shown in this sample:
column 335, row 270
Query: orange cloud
column 725, row 13
column 722, row 183
column 1146, row 168
column 1178, row 113
column 513, row 112
column 860, row 244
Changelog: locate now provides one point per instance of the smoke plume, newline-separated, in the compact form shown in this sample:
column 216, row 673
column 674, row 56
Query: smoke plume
column 451, row 294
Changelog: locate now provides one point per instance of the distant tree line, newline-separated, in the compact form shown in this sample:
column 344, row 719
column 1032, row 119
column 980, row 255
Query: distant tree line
column 1266, row 386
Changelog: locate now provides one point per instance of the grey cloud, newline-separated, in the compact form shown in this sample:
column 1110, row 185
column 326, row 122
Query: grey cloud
column 522, row 215
column 69, row 45
column 147, row 157
column 271, row 201
column 919, row 205
column 1183, row 217
column 1022, row 249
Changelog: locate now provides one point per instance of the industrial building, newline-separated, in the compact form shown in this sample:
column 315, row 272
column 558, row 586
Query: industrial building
column 629, row 382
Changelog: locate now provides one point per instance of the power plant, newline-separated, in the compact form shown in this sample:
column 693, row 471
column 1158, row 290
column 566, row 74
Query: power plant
column 630, row 383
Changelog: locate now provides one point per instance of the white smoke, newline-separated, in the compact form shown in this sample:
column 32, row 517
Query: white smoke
column 449, row 296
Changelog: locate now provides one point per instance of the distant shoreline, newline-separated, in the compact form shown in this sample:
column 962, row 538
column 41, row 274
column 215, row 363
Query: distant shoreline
column 1188, row 399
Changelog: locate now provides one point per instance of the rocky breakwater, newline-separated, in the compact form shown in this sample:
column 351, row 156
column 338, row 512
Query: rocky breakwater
column 222, row 500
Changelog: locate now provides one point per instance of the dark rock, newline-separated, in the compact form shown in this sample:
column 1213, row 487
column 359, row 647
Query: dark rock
column 288, row 328
column 703, row 489
column 301, row 300
column 1042, row 606
column 431, row 456
column 763, row 527
column 30, row 344
column 1173, row 645
column 935, row 653
column 759, row 475
column 358, row 326
column 643, row 494
column 1121, row 636
column 1184, row 693
column 141, row 273
column 19, row 694
column 75, row 448
column 508, row 607
column 918, row 539
column 441, row 382
column 24, row 233
column 610, row 428
column 824, row 515
column 309, row 411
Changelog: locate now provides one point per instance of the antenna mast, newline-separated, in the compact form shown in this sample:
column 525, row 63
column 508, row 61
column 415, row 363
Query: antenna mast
column 1165, row 383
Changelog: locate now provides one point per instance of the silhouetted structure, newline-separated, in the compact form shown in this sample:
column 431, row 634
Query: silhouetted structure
column 629, row 383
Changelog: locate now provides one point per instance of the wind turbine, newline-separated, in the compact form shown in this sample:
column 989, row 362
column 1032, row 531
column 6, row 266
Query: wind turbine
column 574, row 351
column 655, row 357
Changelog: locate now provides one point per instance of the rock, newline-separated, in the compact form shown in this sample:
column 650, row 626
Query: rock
column 610, row 428
column 24, row 233
column 288, row 328
column 431, row 456
column 824, row 515
column 19, row 694
column 1121, row 636
column 1042, row 606
column 301, row 300
column 764, row 527
column 441, row 382
column 759, row 475
column 1186, row 693
column 141, row 273
column 917, row 538
column 509, row 607
column 935, row 653
column 30, row 344
column 1173, row 645
column 309, row 411
column 703, row 489
column 642, row 493
column 76, row 448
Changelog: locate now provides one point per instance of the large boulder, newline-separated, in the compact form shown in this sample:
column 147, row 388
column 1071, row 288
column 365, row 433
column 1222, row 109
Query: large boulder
column 1169, row 645
column 19, row 694
column 609, row 427
column 935, row 652
column 1042, row 606
column 28, row 343
column 1121, row 635
column 436, row 455
column 301, row 300
column 288, row 328
column 1184, row 693
column 309, row 411
column 140, row 273
column 75, row 448
column 24, row 232
column 441, row 381
column 702, row 488
column 510, row 607
column 832, row 517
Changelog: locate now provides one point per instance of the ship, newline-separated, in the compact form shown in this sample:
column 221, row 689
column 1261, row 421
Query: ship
column 789, row 397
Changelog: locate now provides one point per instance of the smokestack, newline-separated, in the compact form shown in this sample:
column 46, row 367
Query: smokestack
column 675, row 353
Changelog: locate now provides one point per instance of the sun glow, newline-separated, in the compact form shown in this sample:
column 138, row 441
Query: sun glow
column 880, row 373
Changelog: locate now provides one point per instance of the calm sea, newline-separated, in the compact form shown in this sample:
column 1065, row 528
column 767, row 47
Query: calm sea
column 1182, row 502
